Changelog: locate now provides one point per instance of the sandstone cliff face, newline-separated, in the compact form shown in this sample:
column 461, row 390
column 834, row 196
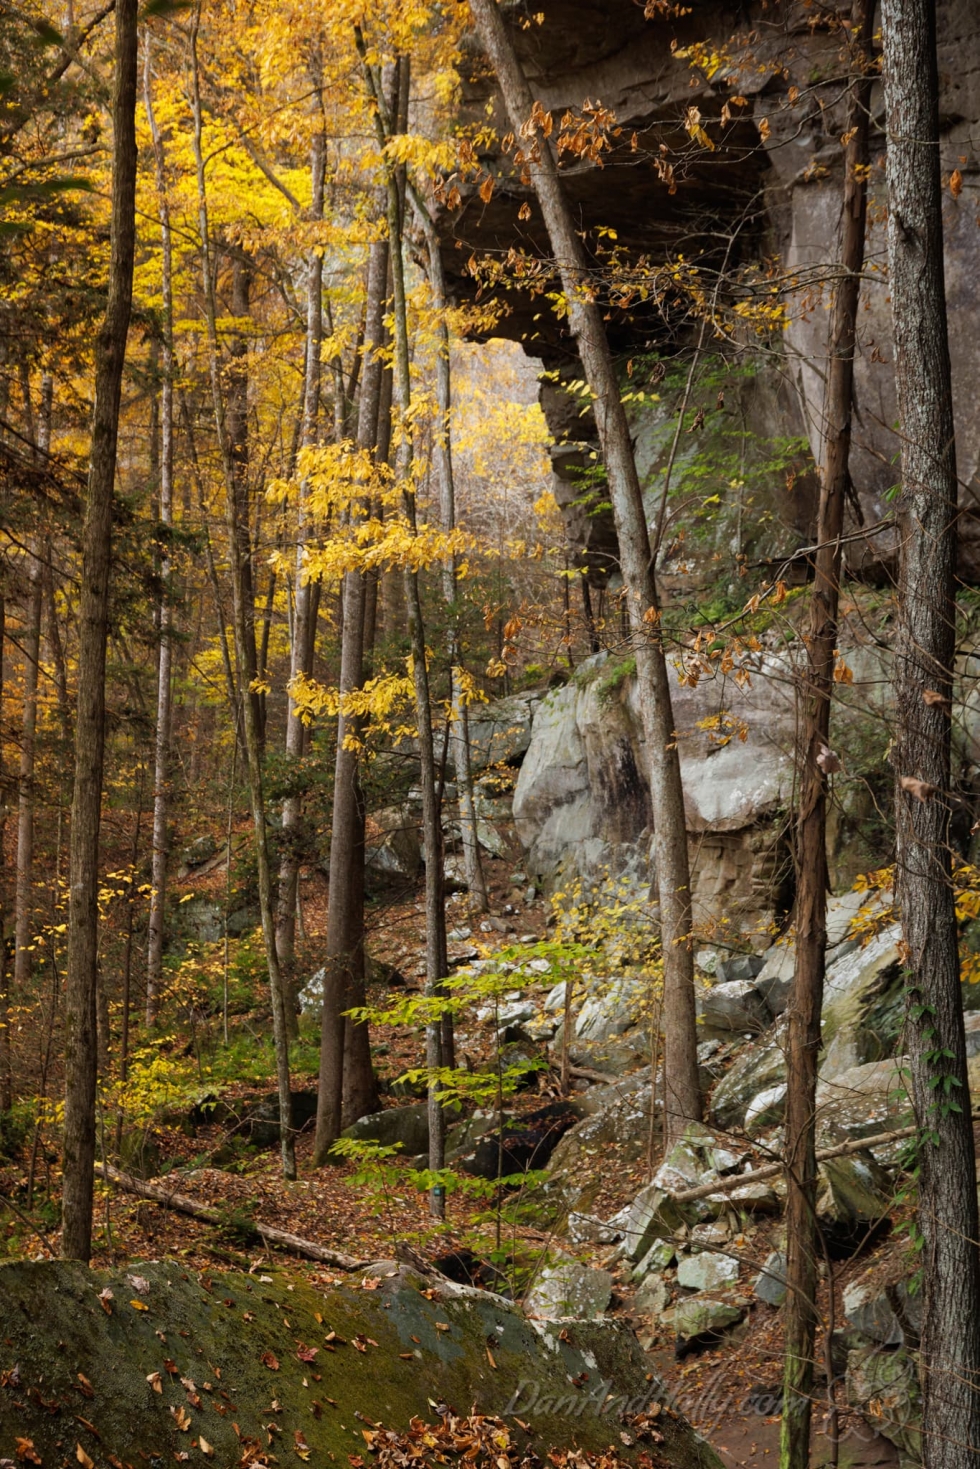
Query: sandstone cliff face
column 775, row 201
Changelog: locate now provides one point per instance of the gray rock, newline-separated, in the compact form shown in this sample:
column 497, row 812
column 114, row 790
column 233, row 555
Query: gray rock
column 854, row 1194
column 202, row 920
column 201, row 850
column 758, row 1067
column 653, row 1296
column 713, row 1235
column 766, row 1109
column 652, row 1216
column 500, row 732
column 864, row 1004
column 311, row 995
column 770, row 1284
column 393, row 848
column 699, row 1315
column 739, row 967
column 734, row 1005
column 706, row 1271
column 408, row 1126
column 863, row 1101
column 243, row 920
column 657, row 1258
column 869, row 1311
column 569, row 1289
column 776, row 976
column 587, row 1229
column 751, row 1198
column 884, row 1385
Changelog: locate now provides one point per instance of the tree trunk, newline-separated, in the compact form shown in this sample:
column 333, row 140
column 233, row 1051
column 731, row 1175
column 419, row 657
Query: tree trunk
column 6, row 1077
column 435, row 915
column 161, row 752
column 24, row 882
column 345, row 899
column 110, row 353
column 243, row 622
column 442, row 455
column 682, row 1095
column 924, row 668
column 806, row 998
column 301, row 651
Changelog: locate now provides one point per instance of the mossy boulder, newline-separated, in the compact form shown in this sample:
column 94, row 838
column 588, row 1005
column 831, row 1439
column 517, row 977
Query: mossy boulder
column 172, row 1357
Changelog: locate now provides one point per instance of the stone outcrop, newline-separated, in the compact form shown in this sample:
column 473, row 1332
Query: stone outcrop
column 772, row 179
column 155, row 1363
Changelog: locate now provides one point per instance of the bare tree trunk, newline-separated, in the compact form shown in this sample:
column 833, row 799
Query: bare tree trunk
column 443, row 458
column 110, row 354
column 345, row 901
column 806, row 998
column 243, row 610
column 924, row 667
column 682, row 1095
column 6, row 1076
column 301, row 651
column 435, row 915
column 161, row 753
column 24, row 882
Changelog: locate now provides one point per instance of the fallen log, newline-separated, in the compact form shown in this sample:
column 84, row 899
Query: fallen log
column 772, row 1170
column 278, row 1239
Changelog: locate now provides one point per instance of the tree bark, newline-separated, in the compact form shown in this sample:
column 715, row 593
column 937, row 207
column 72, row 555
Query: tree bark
column 924, row 667
column 682, row 1094
column 6, row 1076
column 161, row 750
column 301, row 650
column 243, row 610
column 442, row 455
column 806, row 997
column 24, row 880
column 110, row 354
column 345, row 899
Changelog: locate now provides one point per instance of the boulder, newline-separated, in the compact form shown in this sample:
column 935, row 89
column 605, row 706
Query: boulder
column 735, row 1005
column 699, row 1316
column 612, row 1007
column 201, row 850
column 528, row 1143
column 870, row 1312
column 770, row 1284
column 657, row 1258
column 760, row 1066
column 739, row 967
column 653, row 1296
column 864, row 1004
column 884, row 1386
column 863, row 1101
column 766, row 1109
column 259, row 1118
column 415, row 1349
column 202, row 920
column 404, row 1127
column 392, row 845
column 500, row 731
column 568, row 1289
column 706, row 1271
column 588, row 1229
column 854, row 1196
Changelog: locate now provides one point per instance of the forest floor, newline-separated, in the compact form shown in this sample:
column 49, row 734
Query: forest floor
column 730, row 1393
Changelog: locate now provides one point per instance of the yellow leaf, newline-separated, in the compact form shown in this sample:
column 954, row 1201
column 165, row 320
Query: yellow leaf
column 205, row 1447
column 83, row 1457
column 139, row 1305
column 486, row 189
column 956, row 183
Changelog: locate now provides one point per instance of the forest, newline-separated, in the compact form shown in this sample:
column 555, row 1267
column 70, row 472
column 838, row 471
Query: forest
column 489, row 733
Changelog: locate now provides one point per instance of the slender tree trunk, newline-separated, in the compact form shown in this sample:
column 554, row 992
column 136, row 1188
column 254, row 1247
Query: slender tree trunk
column 243, row 610
column 6, row 1076
column 301, row 651
column 443, row 458
column 435, row 915
column 110, row 354
column 924, row 667
column 345, row 900
column 161, row 753
column 682, row 1095
column 806, row 998
column 24, row 884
